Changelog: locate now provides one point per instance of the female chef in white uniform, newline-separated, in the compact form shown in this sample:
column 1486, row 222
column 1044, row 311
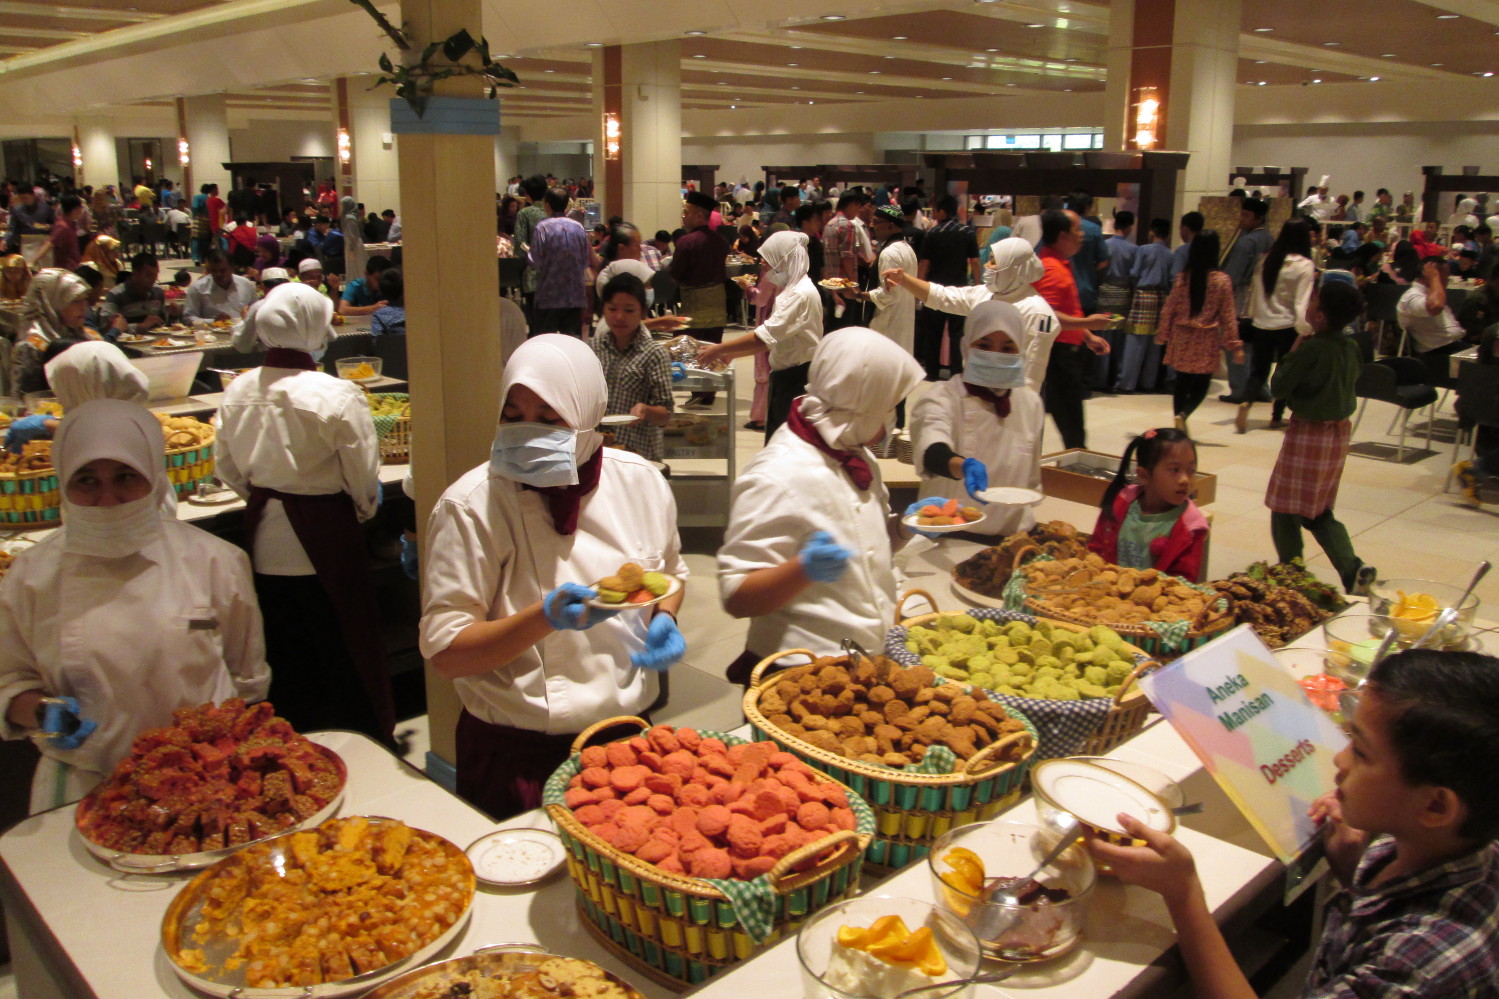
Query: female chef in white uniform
column 808, row 550
column 791, row 333
column 983, row 427
column 512, row 550
column 1009, row 276
column 121, row 616
column 89, row 369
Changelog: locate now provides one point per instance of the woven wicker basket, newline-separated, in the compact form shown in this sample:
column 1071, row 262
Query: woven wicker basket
column 681, row 930
column 191, row 465
column 395, row 439
column 33, row 499
column 1125, row 719
column 910, row 809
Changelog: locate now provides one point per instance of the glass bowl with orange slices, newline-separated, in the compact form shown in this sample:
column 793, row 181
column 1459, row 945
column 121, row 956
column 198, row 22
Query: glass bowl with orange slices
column 1411, row 606
column 878, row 946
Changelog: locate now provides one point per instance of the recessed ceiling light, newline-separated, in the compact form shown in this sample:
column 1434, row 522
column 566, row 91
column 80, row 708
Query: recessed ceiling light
column 874, row 72
column 1436, row 64
column 1035, row 25
column 796, row 88
column 832, row 17
column 858, row 91
column 900, row 38
column 723, row 83
column 1009, row 84
column 1069, row 60
column 996, row 50
column 1263, row 30
column 1331, row 44
column 695, row 55
column 593, row 45
column 1316, row 81
column 694, row 33
column 947, row 78
column 811, row 102
column 1260, row 84
column 1446, row 17
column 1387, row 55
column 1488, row 74
column 1373, row 79
column 1260, row 62
column 549, row 71
column 793, row 64
column 890, row 57
column 1066, row 90
column 796, row 46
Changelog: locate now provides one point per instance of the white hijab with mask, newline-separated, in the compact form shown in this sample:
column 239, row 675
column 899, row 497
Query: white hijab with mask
column 785, row 256
column 1016, row 269
column 95, row 370
column 295, row 317
column 565, row 373
column 127, row 433
column 853, row 386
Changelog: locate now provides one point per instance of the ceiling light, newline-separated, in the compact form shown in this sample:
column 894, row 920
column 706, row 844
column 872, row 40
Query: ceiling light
column 832, row 17
column 1260, row 62
column 874, row 72
column 694, row 33
column 1263, row 30
column 890, row 57
column 695, row 55
column 1387, row 55
column 1436, row 64
column 593, row 45
column 996, row 50
column 811, row 102
column 1488, row 74
column 1446, row 17
column 900, row 38
column 949, row 78
column 796, row 88
column 1066, row 90
column 796, row 46
column 1331, row 44
column 1035, row 25
column 1009, row 84
column 549, row 71
column 1316, row 81
column 723, row 83
column 858, row 91
column 1373, row 79
column 1260, row 84
column 793, row 64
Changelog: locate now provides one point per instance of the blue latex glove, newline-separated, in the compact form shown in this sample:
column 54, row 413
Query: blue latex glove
column 664, row 645
column 63, row 720
column 25, row 430
column 409, row 562
column 915, row 508
column 678, row 371
column 565, row 610
column 823, row 559
column 975, row 477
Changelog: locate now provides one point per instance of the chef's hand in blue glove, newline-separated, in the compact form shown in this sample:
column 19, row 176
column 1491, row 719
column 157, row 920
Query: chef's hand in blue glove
column 664, row 645
column 822, row 558
column 24, row 431
column 410, row 562
column 915, row 508
column 565, row 610
column 63, row 721
column 678, row 371
column 975, row 477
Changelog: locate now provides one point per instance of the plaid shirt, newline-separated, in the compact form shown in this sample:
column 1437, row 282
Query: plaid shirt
column 650, row 256
column 1433, row 933
column 640, row 373
column 840, row 242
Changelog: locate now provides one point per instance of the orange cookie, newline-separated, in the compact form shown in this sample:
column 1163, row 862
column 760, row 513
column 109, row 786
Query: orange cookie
column 594, row 756
column 711, row 863
column 621, row 755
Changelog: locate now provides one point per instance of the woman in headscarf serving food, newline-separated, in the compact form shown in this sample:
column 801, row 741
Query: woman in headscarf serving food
column 983, row 427
column 122, row 615
column 791, row 333
column 513, row 550
column 54, row 309
column 809, row 546
column 300, row 447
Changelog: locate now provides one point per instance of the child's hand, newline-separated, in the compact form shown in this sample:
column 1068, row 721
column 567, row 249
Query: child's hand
column 1343, row 843
column 1163, row 865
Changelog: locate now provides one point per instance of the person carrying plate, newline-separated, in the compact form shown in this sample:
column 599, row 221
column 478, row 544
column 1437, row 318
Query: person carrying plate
column 512, row 551
column 983, row 427
column 808, row 550
column 123, row 614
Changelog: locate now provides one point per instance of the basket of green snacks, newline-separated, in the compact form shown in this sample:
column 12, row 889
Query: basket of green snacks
column 1076, row 684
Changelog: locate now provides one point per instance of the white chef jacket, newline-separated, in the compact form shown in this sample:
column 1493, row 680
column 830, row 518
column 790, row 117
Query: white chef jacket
column 794, row 327
column 896, row 317
column 788, row 491
column 301, row 432
column 491, row 552
column 206, row 300
column 133, row 639
column 1010, row 447
column 1038, row 316
column 1285, row 307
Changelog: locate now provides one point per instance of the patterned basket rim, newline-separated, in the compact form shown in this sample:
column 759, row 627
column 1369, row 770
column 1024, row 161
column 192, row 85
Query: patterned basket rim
column 1129, row 699
column 849, row 853
column 895, row 778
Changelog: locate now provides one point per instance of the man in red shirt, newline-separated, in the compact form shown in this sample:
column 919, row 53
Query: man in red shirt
column 1067, row 367
column 64, row 236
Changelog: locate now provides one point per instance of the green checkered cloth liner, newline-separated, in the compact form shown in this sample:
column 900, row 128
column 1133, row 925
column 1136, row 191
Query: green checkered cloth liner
column 1062, row 727
column 385, row 424
column 754, row 901
column 1173, row 634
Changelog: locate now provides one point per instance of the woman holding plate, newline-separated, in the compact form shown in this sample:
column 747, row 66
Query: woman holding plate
column 512, row 550
column 983, row 427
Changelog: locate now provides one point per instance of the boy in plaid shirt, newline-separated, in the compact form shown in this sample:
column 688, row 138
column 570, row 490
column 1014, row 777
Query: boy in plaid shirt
column 1410, row 832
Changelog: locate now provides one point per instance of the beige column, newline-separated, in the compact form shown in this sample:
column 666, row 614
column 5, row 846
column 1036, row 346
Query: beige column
column 1200, row 114
column 452, row 299
column 96, row 141
column 376, row 166
column 644, row 83
column 1117, row 55
column 208, row 141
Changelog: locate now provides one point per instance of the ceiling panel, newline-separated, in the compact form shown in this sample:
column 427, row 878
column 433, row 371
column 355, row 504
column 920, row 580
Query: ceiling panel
column 1400, row 31
column 1253, row 72
column 964, row 31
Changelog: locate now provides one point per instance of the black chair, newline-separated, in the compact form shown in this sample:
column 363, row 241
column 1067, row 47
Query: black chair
column 666, row 292
column 152, row 235
column 511, row 270
column 391, row 349
column 130, row 237
column 352, row 345
column 181, row 238
column 1477, row 406
column 1399, row 381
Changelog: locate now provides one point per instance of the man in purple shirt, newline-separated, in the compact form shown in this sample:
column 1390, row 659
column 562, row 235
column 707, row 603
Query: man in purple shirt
column 560, row 253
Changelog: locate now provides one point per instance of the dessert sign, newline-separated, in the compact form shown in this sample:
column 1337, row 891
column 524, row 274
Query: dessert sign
column 1246, row 718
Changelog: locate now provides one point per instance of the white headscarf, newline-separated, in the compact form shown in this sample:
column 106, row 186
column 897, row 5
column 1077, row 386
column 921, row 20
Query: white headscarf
column 51, row 291
column 857, row 377
column 1467, row 205
column 1016, row 268
column 996, row 315
column 95, row 370
column 295, row 317
column 566, row 373
column 785, row 256
column 125, row 432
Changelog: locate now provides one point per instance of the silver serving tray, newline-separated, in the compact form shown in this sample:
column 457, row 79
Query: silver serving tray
column 519, row 957
column 181, row 920
column 166, row 863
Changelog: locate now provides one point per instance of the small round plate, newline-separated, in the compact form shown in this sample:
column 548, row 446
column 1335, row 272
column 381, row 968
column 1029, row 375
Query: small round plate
column 674, row 586
column 911, row 522
column 837, row 284
column 618, row 420
column 135, row 338
column 1011, row 496
column 516, row 858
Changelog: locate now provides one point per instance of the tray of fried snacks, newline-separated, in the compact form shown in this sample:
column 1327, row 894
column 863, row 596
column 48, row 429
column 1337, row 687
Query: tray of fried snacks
column 508, row 971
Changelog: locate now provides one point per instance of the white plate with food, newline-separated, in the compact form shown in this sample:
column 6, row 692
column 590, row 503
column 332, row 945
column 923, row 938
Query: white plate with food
column 1011, row 496
column 619, row 420
column 838, row 284
column 516, row 858
column 914, row 523
column 135, row 338
column 648, row 583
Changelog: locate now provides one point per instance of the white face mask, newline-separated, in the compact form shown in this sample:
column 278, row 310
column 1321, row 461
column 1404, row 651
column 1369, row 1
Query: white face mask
column 991, row 369
column 111, row 531
column 537, row 454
